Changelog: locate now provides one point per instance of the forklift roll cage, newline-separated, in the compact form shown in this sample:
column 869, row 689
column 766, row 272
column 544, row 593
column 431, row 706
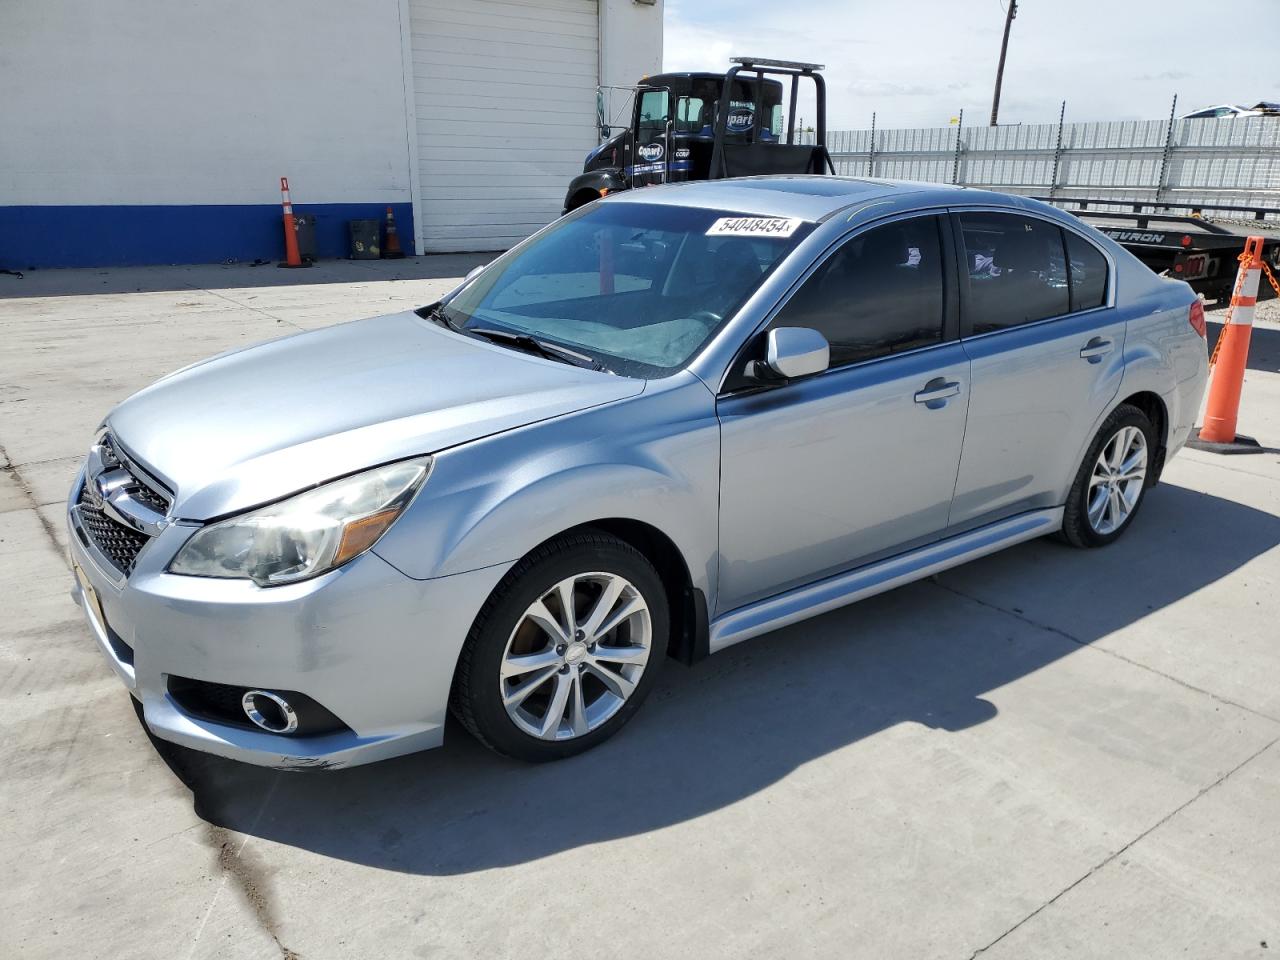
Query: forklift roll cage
column 762, row 67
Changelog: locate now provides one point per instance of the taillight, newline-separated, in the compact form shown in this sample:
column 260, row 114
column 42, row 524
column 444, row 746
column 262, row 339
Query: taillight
column 1196, row 317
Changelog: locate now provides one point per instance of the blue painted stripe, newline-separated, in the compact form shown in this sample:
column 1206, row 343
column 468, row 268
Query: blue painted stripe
column 117, row 236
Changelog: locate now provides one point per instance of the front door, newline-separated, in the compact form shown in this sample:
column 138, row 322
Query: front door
column 823, row 474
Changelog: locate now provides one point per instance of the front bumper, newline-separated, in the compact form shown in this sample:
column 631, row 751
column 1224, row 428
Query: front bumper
column 368, row 643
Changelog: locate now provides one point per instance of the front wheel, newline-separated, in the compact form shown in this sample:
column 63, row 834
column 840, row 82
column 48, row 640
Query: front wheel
column 564, row 651
column 1112, row 481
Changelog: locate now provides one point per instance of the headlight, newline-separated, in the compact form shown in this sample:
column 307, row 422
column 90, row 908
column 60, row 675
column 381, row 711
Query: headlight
column 305, row 535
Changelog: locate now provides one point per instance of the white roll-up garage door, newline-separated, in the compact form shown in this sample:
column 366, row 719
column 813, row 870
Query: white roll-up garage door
column 504, row 96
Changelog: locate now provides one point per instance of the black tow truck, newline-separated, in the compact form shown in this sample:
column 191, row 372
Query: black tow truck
column 705, row 126
column 1184, row 245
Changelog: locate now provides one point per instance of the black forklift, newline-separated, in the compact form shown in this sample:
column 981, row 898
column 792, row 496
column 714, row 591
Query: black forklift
column 707, row 126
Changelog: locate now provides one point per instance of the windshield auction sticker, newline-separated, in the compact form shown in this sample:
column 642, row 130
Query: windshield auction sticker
column 754, row 227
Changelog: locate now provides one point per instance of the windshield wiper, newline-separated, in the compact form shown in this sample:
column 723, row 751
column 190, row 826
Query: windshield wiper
column 436, row 314
column 549, row 351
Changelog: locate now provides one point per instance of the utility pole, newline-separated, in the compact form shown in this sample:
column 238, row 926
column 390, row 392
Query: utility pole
column 1004, row 46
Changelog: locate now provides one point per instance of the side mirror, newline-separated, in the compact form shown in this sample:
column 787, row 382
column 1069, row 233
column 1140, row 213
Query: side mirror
column 792, row 352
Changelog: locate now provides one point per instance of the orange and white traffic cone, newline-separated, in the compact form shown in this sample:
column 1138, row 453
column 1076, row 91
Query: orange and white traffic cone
column 292, row 258
column 1231, row 356
column 391, row 249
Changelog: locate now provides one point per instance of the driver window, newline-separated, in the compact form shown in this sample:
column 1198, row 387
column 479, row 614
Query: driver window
column 653, row 114
column 880, row 293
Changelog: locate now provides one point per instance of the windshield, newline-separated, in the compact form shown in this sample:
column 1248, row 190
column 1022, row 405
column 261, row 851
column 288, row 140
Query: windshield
column 638, row 288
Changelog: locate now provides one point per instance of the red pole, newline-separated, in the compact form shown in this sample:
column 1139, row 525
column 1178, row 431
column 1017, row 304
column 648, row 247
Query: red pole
column 606, row 262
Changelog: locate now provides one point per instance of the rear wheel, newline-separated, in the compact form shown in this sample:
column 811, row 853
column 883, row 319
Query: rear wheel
column 564, row 651
column 1112, row 480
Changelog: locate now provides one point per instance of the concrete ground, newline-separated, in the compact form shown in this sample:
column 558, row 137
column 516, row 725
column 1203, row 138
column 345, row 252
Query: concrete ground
column 1046, row 753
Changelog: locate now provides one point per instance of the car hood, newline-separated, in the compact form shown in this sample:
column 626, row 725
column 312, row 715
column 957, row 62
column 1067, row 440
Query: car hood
column 257, row 424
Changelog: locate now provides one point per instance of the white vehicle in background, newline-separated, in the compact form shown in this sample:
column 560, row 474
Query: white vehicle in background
column 1223, row 111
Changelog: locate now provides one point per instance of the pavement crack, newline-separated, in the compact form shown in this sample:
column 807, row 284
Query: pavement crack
column 249, row 306
column 249, row 881
column 1145, row 833
column 1058, row 631
column 9, row 467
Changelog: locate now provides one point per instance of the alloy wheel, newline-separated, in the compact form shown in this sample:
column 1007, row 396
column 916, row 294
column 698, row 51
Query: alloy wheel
column 1117, row 479
column 575, row 656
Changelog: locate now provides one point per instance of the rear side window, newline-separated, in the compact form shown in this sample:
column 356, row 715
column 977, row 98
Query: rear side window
column 1017, row 270
column 1088, row 273
column 880, row 293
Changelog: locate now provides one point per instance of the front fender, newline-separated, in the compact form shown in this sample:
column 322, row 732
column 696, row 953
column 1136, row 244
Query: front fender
column 652, row 459
column 592, row 185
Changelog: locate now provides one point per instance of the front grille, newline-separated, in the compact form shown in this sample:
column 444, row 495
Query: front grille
column 120, row 544
column 144, row 494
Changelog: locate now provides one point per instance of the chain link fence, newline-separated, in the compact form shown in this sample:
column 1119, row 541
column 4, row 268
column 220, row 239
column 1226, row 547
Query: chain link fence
column 1225, row 162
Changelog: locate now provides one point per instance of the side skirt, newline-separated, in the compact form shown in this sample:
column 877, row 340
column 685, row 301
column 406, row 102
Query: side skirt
column 801, row 603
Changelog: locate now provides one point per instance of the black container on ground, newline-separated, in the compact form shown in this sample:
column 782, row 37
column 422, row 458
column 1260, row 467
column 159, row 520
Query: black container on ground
column 366, row 239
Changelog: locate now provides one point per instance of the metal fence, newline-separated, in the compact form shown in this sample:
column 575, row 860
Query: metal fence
column 1228, row 162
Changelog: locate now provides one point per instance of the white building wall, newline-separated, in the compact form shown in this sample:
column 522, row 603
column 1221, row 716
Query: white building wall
column 164, row 102
column 630, row 41
column 156, row 131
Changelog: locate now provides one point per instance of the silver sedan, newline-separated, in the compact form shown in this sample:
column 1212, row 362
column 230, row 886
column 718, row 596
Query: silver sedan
column 670, row 421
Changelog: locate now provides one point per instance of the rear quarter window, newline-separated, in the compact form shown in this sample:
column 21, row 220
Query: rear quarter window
column 1088, row 272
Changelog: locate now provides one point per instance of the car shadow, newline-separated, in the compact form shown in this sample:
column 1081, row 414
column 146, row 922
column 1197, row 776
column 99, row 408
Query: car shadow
column 1264, row 346
column 733, row 725
column 230, row 276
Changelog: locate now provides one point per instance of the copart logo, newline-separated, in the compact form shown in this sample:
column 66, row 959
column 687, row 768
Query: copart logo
column 651, row 152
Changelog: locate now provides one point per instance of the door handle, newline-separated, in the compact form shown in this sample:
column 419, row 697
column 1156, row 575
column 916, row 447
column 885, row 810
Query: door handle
column 939, row 388
column 1096, row 349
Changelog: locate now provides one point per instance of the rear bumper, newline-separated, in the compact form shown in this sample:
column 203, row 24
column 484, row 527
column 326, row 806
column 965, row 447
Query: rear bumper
column 1184, row 401
column 374, row 647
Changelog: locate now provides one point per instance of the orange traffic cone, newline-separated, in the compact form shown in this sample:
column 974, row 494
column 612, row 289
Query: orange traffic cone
column 292, row 258
column 391, row 249
column 1230, row 358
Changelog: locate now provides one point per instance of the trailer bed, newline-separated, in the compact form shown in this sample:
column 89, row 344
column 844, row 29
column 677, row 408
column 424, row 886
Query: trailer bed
column 1189, row 246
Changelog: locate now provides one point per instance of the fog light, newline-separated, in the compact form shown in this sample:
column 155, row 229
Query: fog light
column 269, row 711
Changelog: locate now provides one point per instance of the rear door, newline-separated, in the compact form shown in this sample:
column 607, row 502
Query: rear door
column 823, row 474
column 1039, row 325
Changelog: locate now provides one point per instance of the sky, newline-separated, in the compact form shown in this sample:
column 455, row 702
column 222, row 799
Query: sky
column 917, row 63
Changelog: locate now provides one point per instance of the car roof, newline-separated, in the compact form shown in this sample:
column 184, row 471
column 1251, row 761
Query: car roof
column 810, row 197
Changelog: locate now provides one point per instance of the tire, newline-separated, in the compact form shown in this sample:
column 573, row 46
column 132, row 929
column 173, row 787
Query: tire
column 510, row 704
column 1126, row 427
